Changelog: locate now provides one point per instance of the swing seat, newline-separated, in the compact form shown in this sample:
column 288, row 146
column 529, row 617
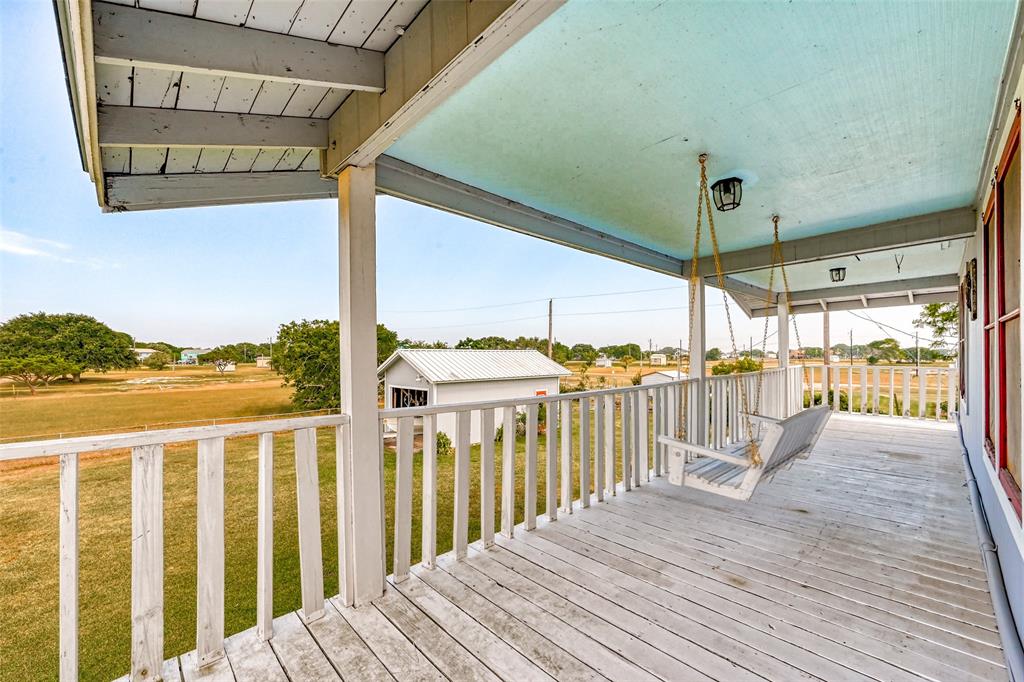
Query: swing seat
column 729, row 472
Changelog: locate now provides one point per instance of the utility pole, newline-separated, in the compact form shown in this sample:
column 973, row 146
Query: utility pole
column 551, row 307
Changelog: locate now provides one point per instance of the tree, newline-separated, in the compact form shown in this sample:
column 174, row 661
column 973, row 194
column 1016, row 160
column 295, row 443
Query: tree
column 627, row 360
column 79, row 341
column 713, row 354
column 584, row 352
column 235, row 352
column 34, row 370
column 387, row 343
column 940, row 319
column 887, row 350
column 813, row 352
column 308, row 357
column 408, row 343
column 157, row 360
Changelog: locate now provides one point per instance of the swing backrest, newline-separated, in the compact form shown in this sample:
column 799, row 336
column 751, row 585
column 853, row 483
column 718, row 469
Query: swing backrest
column 791, row 437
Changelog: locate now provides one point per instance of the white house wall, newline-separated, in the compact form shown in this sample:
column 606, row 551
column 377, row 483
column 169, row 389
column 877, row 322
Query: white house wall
column 401, row 373
column 1003, row 521
column 486, row 390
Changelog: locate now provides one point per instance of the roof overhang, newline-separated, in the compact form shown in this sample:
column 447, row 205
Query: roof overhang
column 530, row 115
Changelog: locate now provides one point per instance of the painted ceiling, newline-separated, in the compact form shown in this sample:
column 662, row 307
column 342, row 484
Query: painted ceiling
column 837, row 115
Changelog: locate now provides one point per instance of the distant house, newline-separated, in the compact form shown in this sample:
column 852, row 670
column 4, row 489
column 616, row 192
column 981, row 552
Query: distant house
column 142, row 353
column 425, row 376
column 658, row 360
column 190, row 356
column 263, row 361
column 662, row 377
column 603, row 361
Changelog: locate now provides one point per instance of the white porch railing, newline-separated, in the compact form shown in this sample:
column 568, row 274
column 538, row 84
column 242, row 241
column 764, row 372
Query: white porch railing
column 147, row 569
column 928, row 393
column 607, row 436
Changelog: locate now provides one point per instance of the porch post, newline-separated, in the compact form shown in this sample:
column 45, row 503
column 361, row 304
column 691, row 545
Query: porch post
column 360, row 471
column 782, row 318
column 826, row 351
column 698, row 365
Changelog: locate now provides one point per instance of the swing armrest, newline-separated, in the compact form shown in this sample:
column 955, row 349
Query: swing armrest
column 706, row 452
column 760, row 418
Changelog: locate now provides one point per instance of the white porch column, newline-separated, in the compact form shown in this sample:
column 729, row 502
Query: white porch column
column 698, row 363
column 782, row 318
column 826, row 351
column 360, row 480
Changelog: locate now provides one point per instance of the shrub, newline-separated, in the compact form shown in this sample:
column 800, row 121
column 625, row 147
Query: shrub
column 157, row 360
column 843, row 400
column 637, row 378
column 444, row 445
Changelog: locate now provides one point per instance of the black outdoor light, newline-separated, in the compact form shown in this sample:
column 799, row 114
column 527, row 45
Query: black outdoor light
column 837, row 274
column 728, row 192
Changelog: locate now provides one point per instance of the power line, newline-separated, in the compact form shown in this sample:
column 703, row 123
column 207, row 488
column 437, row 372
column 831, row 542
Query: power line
column 535, row 300
column 882, row 326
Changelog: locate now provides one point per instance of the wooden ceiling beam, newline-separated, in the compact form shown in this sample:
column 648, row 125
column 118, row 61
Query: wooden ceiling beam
column 127, row 36
column 154, row 127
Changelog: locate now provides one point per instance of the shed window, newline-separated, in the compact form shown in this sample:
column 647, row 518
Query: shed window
column 1002, row 250
column 408, row 397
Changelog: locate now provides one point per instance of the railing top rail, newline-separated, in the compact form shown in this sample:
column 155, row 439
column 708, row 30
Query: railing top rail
column 116, row 441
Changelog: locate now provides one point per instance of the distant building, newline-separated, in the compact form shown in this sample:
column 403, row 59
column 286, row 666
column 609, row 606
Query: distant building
column 658, row 360
column 662, row 377
column 142, row 353
column 415, row 377
column 603, row 361
column 263, row 361
column 190, row 356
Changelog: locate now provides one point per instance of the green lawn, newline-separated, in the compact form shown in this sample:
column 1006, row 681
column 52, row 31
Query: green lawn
column 28, row 551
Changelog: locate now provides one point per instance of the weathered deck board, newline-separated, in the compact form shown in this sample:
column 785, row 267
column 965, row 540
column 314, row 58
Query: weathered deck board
column 860, row 563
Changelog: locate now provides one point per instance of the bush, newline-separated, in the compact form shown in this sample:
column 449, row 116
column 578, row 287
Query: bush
column 157, row 361
column 443, row 445
column 872, row 359
column 843, row 400
column 637, row 378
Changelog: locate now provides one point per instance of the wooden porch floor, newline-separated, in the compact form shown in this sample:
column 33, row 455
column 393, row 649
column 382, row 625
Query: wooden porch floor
column 860, row 563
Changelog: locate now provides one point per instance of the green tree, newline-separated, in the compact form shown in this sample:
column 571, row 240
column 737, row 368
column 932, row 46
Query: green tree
column 940, row 319
column 887, row 350
column 409, row 343
column 584, row 352
column 308, row 357
column 627, row 360
column 813, row 352
column 713, row 354
column 79, row 341
column 235, row 352
column 34, row 370
column 157, row 360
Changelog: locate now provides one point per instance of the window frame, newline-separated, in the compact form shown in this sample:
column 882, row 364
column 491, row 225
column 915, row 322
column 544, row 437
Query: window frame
column 995, row 322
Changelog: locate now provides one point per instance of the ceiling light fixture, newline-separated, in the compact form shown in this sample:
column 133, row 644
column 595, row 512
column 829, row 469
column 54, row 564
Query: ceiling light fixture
column 727, row 192
column 837, row 274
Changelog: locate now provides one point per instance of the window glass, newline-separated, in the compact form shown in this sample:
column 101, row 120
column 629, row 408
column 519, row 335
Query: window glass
column 992, row 404
column 991, row 310
column 1010, row 193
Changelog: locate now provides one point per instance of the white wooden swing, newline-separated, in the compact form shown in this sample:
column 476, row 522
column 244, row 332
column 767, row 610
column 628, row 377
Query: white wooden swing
column 737, row 470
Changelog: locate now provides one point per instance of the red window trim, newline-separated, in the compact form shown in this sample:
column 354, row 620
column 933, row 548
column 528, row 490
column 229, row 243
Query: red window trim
column 993, row 260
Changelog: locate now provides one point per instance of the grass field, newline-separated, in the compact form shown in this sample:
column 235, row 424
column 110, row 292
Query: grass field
column 28, row 517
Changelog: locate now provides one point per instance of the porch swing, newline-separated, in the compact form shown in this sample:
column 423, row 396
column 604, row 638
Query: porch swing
column 736, row 471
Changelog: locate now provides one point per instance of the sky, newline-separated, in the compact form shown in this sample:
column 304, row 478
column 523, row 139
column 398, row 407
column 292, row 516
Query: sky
column 207, row 276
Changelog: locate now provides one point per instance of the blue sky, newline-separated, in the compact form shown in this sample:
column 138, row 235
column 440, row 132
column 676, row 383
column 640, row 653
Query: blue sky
column 219, row 275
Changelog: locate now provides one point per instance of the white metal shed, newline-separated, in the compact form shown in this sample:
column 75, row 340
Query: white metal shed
column 422, row 376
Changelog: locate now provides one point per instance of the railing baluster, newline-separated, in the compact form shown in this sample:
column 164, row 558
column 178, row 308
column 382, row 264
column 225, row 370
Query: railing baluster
column 210, row 551
column 864, row 389
column 508, row 473
column 609, row 444
column 627, row 441
column 922, row 396
column 68, row 567
column 265, row 539
column 461, row 525
column 599, row 429
column 566, row 433
column 659, row 422
column 938, row 394
column 429, row 540
column 307, row 489
column 906, row 393
column 952, row 396
column 584, row 452
column 849, row 388
column 487, row 436
column 892, row 390
column 147, row 562
column 643, row 468
column 530, row 482
column 403, row 500
column 875, row 374
column 550, row 470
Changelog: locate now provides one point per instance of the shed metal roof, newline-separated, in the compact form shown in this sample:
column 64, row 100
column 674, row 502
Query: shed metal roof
column 451, row 365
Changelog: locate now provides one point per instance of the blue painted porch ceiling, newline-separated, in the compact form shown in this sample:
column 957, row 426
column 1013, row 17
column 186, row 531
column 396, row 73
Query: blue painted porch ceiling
column 838, row 114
